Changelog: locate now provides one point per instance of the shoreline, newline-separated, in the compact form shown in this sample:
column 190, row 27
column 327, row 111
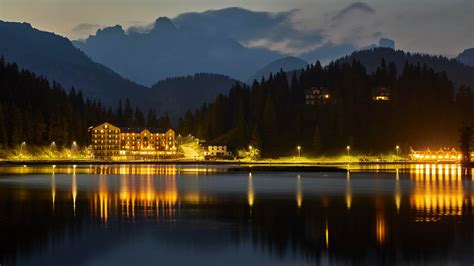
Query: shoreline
column 214, row 162
column 232, row 166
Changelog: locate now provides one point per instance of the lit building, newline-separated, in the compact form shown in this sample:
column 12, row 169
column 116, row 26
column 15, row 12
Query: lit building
column 317, row 95
column 216, row 150
column 113, row 143
column 381, row 94
column 441, row 155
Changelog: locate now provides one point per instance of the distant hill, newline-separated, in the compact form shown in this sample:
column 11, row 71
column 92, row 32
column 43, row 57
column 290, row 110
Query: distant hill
column 456, row 71
column 178, row 95
column 287, row 64
column 467, row 57
column 164, row 50
column 57, row 59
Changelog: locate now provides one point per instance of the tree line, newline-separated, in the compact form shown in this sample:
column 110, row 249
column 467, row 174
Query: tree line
column 37, row 111
column 424, row 110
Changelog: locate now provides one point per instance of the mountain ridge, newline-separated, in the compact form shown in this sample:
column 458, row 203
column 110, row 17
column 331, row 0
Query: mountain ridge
column 286, row 64
column 55, row 57
column 456, row 71
column 466, row 57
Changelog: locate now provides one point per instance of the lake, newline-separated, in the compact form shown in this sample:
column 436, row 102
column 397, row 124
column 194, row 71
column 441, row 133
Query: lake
column 206, row 215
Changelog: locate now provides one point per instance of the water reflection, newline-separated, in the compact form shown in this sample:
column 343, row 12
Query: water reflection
column 250, row 190
column 299, row 192
column 141, row 195
column 53, row 190
column 438, row 191
column 404, row 215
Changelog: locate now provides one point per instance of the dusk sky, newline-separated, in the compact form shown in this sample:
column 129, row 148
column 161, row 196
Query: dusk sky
column 431, row 26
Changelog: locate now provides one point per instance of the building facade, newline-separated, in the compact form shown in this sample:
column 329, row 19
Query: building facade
column 441, row 155
column 110, row 142
column 317, row 95
column 216, row 150
column 381, row 94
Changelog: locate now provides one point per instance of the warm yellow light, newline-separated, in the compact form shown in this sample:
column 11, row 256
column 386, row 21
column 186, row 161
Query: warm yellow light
column 327, row 234
column 380, row 228
column 381, row 98
column 250, row 191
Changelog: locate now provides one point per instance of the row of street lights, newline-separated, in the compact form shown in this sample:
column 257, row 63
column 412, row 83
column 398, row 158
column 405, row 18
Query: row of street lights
column 348, row 148
column 52, row 146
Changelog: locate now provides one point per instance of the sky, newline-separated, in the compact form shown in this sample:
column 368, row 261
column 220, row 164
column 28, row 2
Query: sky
column 431, row 26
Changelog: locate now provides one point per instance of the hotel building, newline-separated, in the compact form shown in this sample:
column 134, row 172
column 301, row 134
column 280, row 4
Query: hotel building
column 110, row 142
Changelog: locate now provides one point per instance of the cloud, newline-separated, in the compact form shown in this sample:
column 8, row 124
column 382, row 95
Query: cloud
column 354, row 7
column 83, row 30
column 273, row 31
column 294, row 32
column 301, row 32
column 354, row 24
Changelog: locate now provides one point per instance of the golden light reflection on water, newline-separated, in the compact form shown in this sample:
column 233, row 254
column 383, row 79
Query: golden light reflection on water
column 132, row 169
column 380, row 228
column 326, row 233
column 398, row 195
column 53, row 190
column 348, row 194
column 299, row 192
column 74, row 191
column 145, row 196
column 438, row 191
column 250, row 191
column 435, row 191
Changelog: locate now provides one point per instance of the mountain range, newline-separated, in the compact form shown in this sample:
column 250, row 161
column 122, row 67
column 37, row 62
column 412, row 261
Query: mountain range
column 286, row 64
column 56, row 58
column 167, row 51
column 175, row 96
column 466, row 57
column 457, row 72
column 235, row 42
column 180, row 88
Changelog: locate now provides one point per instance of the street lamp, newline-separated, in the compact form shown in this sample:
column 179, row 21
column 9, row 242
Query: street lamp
column 398, row 149
column 299, row 152
column 348, row 148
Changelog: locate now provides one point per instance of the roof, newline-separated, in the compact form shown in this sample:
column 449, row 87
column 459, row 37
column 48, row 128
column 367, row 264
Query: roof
column 214, row 143
column 104, row 125
column 140, row 129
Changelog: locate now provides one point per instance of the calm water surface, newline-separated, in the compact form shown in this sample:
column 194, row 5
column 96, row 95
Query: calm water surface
column 195, row 215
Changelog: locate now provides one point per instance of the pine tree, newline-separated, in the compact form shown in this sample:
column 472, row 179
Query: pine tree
column 139, row 118
column 3, row 130
column 317, row 141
